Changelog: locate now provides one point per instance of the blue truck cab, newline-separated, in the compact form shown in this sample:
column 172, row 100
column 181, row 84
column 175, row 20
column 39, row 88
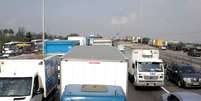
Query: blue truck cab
column 76, row 92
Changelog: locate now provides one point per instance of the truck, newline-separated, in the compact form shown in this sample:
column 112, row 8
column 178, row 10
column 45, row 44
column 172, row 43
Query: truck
column 81, row 39
column 10, row 49
column 78, row 92
column 98, row 42
column 96, row 65
column 144, row 66
column 28, row 77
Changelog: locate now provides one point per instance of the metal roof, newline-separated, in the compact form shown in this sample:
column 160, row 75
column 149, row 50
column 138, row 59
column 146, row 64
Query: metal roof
column 95, row 53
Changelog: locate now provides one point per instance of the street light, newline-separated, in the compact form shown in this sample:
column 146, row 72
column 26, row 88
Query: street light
column 43, row 28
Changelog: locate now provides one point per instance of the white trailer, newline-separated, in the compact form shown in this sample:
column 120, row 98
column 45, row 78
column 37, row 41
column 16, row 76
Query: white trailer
column 102, row 42
column 144, row 66
column 81, row 39
column 27, row 77
column 102, row 65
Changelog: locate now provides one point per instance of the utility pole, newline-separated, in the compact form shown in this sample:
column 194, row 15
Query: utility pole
column 43, row 28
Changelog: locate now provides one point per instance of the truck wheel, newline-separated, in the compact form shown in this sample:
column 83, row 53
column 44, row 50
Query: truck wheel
column 131, row 79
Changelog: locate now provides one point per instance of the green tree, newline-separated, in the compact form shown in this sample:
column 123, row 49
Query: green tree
column 28, row 36
column 145, row 40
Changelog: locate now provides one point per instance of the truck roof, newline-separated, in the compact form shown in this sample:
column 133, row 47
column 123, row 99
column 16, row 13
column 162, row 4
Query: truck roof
column 149, row 60
column 95, row 53
column 140, row 46
column 75, row 92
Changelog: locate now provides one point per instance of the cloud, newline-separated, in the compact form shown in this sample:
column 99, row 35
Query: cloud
column 121, row 20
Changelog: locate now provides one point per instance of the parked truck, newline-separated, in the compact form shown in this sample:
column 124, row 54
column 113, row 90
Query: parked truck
column 27, row 77
column 96, row 65
column 144, row 66
column 78, row 92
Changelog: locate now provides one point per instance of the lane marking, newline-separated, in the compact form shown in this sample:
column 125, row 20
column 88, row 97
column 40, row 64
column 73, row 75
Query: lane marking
column 164, row 89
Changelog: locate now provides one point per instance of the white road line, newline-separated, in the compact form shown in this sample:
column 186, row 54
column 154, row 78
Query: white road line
column 165, row 90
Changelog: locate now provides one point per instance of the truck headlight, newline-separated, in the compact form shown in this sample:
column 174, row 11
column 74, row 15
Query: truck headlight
column 187, row 79
column 199, row 79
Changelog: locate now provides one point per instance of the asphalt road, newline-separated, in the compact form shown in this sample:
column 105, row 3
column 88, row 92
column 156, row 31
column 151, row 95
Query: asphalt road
column 150, row 94
column 144, row 94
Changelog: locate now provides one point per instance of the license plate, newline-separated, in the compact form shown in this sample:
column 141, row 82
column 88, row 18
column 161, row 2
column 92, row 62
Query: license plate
column 151, row 84
column 196, row 83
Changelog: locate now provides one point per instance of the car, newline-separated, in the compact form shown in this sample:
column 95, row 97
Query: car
column 194, row 53
column 163, row 48
column 183, row 75
column 181, row 96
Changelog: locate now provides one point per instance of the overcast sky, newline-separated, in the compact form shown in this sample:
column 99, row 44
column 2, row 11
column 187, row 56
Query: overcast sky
column 164, row 19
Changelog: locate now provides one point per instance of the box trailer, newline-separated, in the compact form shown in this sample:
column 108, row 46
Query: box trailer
column 93, row 93
column 28, row 77
column 103, row 65
column 59, row 47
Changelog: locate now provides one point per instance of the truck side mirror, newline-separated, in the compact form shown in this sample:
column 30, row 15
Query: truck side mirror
column 176, row 71
column 39, row 91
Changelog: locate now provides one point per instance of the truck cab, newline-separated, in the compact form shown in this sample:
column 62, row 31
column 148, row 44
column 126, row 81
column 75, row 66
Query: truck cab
column 27, row 79
column 148, row 72
column 15, row 85
column 77, row 92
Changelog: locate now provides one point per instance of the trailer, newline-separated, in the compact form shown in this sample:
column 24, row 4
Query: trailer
column 59, row 47
column 28, row 77
column 102, row 65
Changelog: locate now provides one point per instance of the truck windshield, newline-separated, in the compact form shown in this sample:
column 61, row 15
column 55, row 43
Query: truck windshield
column 149, row 67
column 15, row 86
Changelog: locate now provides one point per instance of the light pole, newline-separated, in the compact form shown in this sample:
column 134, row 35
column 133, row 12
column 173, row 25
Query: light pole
column 43, row 28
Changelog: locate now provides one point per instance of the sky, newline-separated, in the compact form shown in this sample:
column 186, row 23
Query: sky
column 159, row 19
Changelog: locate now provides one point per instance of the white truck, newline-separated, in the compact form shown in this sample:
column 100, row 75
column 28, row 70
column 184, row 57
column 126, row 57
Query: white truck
column 27, row 77
column 145, row 68
column 102, row 42
column 96, row 65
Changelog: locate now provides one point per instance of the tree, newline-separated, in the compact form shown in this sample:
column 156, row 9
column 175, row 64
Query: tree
column 73, row 34
column 5, row 31
column 11, row 32
column 145, row 40
column 20, row 33
column 28, row 36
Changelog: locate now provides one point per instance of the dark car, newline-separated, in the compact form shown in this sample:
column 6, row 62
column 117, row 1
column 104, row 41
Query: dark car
column 181, row 96
column 194, row 53
column 183, row 75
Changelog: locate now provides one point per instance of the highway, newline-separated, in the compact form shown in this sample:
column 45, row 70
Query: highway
column 145, row 94
column 154, row 94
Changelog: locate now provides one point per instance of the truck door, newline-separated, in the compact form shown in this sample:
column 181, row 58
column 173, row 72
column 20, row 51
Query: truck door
column 37, row 94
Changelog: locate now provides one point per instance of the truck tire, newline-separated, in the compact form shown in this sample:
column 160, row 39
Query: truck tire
column 131, row 78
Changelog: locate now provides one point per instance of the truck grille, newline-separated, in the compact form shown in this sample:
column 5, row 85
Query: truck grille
column 150, row 77
column 194, row 79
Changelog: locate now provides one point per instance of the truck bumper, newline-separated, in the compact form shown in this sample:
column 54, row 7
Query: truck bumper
column 150, row 83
